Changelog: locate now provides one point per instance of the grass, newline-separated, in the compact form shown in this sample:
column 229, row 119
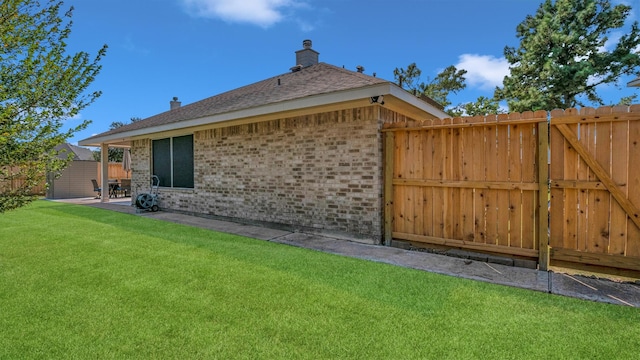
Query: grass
column 80, row 282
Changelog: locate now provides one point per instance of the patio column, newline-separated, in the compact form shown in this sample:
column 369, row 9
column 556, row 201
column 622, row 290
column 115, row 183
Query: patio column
column 104, row 172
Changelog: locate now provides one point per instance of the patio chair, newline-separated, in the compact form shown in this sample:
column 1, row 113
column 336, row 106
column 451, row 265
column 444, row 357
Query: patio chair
column 96, row 188
column 125, row 186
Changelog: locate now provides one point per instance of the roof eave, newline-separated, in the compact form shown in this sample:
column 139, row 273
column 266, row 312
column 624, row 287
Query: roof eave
column 422, row 106
column 634, row 83
column 418, row 109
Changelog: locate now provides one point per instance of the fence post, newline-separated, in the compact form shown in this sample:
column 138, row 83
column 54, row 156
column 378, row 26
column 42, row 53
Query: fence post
column 389, row 154
column 543, row 195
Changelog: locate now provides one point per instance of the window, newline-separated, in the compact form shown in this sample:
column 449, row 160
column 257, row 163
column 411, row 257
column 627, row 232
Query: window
column 173, row 161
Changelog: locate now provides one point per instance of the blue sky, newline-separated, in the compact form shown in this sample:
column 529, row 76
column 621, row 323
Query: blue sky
column 194, row 49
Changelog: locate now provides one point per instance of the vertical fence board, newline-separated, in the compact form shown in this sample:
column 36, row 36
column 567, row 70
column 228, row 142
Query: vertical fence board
column 543, row 210
column 599, row 239
column 447, row 211
column 556, row 172
column 398, row 191
column 502, row 173
column 456, row 171
column 418, row 155
column 515, row 175
column 407, row 205
column 389, row 157
column 427, row 193
column 633, row 240
column 584, row 173
column 619, row 171
column 491, row 196
column 479, row 175
column 466, row 194
column 571, row 196
column 411, row 195
column 590, row 211
column 439, row 204
column 529, row 175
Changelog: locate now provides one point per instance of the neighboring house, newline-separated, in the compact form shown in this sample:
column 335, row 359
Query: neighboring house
column 75, row 180
column 634, row 83
column 301, row 150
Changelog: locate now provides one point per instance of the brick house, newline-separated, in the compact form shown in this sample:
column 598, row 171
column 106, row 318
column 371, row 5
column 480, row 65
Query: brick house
column 301, row 150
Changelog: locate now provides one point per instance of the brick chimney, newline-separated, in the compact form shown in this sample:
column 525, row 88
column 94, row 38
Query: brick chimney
column 307, row 56
column 174, row 104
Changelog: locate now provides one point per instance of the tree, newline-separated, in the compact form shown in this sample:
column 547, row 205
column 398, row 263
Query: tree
column 40, row 87
column 483, row 106
column 562, row 57
column 115, row 154
column 627, row 100
column 450, row 80
column 408, row 79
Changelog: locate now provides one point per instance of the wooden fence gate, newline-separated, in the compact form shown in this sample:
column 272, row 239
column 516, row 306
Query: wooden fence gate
column 595, row 187
column 489, row 183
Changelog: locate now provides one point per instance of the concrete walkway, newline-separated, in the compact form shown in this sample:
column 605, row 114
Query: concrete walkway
column 588, row 288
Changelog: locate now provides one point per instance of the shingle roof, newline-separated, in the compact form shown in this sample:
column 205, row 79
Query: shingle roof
column 79, row 153
column 317, row 79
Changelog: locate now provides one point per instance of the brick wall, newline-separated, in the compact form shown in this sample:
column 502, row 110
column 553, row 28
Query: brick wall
column 140, row 167
column 321, row 172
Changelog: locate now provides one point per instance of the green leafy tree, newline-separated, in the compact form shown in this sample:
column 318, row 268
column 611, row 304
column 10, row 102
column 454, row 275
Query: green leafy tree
column 40, row 87
column 482, row 106
column 408, row 78
column 627, row 100
column 450, row 80
column 562, row 58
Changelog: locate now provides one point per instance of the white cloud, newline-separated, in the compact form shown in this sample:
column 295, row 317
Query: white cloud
column 483, row 71
column 263, row 13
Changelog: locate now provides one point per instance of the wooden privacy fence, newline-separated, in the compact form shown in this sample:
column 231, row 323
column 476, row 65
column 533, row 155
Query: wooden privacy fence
column 10, row 184
column 115, row 172
column 488, row 184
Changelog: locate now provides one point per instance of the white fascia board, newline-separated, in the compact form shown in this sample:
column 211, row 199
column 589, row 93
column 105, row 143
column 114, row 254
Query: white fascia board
column 296, row 104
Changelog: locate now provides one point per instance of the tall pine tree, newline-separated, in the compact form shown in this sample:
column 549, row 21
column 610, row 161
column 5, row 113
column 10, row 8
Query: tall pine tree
column 563, row 55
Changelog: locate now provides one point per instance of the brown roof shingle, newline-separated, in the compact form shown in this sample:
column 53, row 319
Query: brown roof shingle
column 317, row 79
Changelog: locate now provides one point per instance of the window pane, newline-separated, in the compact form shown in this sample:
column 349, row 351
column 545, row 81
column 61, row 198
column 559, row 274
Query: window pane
column 162, row 161
column 183, row 161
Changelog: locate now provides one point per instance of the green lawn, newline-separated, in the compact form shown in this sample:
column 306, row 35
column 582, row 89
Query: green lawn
column 79, row 282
